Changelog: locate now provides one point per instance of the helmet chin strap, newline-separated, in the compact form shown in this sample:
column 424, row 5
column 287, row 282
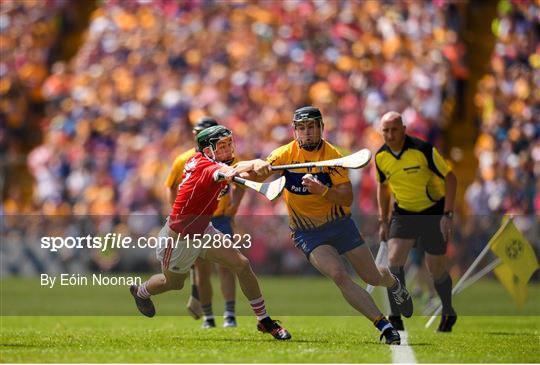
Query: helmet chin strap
column 311, row 146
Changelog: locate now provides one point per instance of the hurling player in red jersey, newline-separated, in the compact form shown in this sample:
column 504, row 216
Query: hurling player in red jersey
column 195, row 203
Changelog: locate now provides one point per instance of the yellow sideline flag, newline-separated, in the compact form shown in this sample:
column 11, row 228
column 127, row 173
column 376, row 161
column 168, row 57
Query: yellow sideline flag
column 512, row 284
column 514, row 250
column 518, row 260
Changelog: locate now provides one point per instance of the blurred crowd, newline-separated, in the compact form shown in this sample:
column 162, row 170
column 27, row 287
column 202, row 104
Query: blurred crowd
column 28, row 30
column 122, row 109
column 508, row 145
column 508, row 102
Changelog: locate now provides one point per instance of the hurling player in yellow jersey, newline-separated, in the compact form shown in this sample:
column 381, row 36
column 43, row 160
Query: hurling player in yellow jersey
column 319, row 217
column 424, row 189
column 200, row 301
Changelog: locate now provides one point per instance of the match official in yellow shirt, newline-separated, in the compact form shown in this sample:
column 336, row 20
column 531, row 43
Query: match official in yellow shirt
column 424, row 189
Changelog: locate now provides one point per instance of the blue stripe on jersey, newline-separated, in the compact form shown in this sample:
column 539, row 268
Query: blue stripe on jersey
column 293, row 182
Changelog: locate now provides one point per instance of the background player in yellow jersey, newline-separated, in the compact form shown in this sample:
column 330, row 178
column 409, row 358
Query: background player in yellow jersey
column 319, row 216
column 424, row 190
column 200, row 301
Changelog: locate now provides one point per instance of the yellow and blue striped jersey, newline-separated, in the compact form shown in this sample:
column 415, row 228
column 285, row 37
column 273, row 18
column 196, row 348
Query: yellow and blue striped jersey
column 415, row 176
column 308, row 211
column 175, row 177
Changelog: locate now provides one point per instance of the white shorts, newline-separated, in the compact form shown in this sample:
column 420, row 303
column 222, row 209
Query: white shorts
column 179, row 258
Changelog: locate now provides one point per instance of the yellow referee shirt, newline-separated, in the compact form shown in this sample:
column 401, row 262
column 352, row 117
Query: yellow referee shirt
column 416, row 175
column 175, row 178
column 306, row 210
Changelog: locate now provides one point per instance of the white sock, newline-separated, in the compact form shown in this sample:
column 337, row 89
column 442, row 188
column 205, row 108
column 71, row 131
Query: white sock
column 142, row 292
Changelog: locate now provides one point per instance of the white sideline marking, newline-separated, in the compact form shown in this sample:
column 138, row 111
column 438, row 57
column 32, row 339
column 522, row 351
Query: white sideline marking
column 404, row 353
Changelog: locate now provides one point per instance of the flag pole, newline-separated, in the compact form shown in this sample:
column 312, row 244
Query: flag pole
column 435, row 308
column 480, row 274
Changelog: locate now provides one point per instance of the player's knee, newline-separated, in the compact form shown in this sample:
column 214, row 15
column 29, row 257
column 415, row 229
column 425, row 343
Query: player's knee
column 394, row 258
column 240, row 265
column 340, row 277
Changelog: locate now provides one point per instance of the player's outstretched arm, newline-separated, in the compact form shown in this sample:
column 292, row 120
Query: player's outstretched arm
column 247, row 169
column 259, row 171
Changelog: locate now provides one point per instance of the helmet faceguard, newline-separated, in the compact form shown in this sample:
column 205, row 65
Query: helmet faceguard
column 306, row 114
column 210, row 137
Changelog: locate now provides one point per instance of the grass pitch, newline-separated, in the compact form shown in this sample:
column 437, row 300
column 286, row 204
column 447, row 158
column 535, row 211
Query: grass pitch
column 32, row 330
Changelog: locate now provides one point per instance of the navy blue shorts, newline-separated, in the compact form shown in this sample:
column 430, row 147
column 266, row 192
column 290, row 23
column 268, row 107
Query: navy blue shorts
column 341, row 234
column 223, row 224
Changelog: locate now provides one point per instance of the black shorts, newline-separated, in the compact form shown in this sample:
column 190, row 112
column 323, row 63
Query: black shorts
column 422, row 226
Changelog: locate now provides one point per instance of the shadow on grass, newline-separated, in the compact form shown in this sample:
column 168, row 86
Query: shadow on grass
column 236, row 340
column 293, row 340
column 8, row 345
column 503, row 334
column 415, row 344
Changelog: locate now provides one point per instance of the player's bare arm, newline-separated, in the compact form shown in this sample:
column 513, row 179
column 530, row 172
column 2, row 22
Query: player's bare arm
column 251, row 169
column 260, row 171
column 228, row 173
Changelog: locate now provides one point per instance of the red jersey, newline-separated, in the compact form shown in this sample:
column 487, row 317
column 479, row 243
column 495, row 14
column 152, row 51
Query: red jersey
column 197, row 196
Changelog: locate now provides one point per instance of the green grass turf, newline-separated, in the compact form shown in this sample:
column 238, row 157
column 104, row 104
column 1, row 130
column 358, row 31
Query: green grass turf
column 509, row 336
column 285, row 296
column 316, row 339
column 489, row 339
